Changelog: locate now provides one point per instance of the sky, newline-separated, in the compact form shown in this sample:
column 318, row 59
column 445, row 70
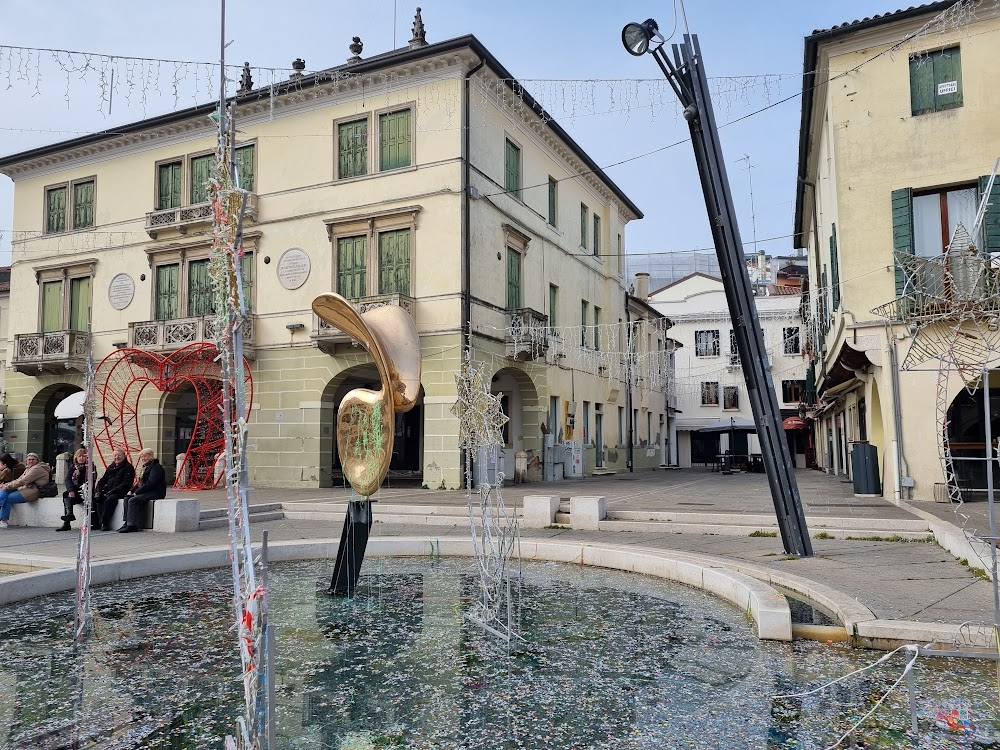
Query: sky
column 568, row 51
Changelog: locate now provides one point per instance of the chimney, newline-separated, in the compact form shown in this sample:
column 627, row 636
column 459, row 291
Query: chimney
column 642, row 286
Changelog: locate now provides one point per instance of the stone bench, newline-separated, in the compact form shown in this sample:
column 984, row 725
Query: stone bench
column 169, row 515
column 585, row 511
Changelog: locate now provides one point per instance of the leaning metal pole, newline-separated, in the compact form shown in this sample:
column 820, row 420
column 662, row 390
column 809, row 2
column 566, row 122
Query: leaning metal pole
column 686, row 75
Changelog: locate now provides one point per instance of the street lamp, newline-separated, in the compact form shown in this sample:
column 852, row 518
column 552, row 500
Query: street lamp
column 637, row 36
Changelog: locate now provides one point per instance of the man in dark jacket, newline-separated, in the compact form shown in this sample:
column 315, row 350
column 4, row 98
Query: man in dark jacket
column 117, row 480
column 152, row 486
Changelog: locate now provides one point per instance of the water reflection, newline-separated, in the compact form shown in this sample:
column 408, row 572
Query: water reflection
column 610, row 660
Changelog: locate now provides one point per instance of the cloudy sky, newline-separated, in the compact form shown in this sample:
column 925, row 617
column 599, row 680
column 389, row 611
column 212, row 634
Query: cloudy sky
column 568, row 51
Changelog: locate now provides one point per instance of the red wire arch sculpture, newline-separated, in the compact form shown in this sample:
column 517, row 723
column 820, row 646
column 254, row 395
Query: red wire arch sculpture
column 120, row 381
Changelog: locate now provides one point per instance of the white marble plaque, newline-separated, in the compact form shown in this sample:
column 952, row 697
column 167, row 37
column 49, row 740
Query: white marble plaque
column 293, row 268
column 120, row 291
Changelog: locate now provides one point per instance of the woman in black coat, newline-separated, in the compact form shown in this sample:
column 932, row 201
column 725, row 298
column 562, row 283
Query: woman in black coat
column 77, row 475
column 152, row 486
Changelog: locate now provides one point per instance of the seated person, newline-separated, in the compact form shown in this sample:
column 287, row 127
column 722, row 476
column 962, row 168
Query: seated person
column 152, row 486
column 10, row 468
column 24, row 489
column 117, row 480
column 77, row 476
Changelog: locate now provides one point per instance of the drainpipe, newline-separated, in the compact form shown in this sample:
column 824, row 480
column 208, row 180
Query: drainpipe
column 628, row 386
column 897, row 444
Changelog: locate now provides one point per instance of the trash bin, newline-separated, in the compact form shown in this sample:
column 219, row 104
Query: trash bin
column 864, row 469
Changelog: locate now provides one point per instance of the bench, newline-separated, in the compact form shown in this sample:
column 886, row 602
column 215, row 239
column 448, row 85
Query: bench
column 169, row 515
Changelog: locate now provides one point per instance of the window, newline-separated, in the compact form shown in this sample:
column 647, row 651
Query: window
column 352, row 148
column 709, row 394
column 706, row 343
column 513, row 279
column 69, row 206
column 621, row 256
column 731, row 397
column 586, row 421
column 584, row 214
column 597, row 234
column 834, row 269
column 51, row 306
column 790, row 337
column 553, row 201
column 168, row 185
column 167, row 296
column 201, row 297
column 554, row 416
column 184, row 289
column 733, row 347
column 394, row 140
column 792, row 391
column 622, row 439
column 935, row 81
column 351, row 272
column 583, row 323
column 201, row 173
column 512, row 169
column 394, row 262
column 244, row 157
column 597, row 328
column 553, row 307
column 79, row 303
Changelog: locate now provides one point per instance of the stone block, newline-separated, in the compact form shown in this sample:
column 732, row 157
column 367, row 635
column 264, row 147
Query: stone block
column 173, row 514
column 539, row 511
column 587, row 511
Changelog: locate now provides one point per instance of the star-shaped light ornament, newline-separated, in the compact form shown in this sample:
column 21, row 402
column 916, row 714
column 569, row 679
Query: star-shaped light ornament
column 480, row 418
column 953, row 302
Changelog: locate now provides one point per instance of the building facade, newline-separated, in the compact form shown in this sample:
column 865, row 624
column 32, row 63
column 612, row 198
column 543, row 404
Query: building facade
column 424, row 178
column 709, row 377
column 898, row 138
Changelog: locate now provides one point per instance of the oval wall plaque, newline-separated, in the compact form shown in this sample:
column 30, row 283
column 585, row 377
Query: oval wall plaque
column 293, row 268
column 121, row 290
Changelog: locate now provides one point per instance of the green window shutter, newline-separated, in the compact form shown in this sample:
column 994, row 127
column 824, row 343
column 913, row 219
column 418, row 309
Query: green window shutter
column 244, row 166
column 351, row 262
column 394, row 140
column 553, row 188
column 597, row 234
column 166, row 291
column 513, row 279
column 902, row 231
column 201, row 173
column 394, row 262
column 352, row 149
column 168, row 186
column 246, row 273
column 583, row 225
column 512, row 172
column 921, row 85
column 583, row 322
column 83, row 205
column 79, row 303
column 553, row 306
column 55, row 210
column 52, row 299
column 199, row 287
column 947, row 78
column 834, row 268
column 991, row 222
column 824, row 321
column 597, row 328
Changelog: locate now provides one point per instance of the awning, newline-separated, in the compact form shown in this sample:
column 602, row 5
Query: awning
column 732, row 424
column 846, row 387
column 843, row 368
column 794, row 423
column 70, row 407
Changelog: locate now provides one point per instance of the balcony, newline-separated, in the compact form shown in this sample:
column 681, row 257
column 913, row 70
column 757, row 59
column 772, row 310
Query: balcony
column 326, row 337
column 168, row 335
column 52, row 352
column 527, row 334
column 186, row 218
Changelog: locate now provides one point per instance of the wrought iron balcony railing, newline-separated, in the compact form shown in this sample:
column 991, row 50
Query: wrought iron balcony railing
column 326, row 337
column 167, row 335
column 184, row 218
column 50, row 352
column 527, row 334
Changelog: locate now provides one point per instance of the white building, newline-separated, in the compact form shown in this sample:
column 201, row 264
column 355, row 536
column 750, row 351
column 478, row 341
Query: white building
column 709, row 378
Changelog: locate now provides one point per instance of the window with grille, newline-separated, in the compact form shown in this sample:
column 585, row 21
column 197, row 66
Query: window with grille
column 710, row 394
column 792, row 344
column 706, row 343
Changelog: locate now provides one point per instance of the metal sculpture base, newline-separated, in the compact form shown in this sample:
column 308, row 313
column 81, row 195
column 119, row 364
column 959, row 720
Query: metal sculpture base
column 351, row 552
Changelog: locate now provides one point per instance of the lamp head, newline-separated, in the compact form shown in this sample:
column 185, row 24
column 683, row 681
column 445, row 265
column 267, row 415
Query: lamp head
column 636, row 36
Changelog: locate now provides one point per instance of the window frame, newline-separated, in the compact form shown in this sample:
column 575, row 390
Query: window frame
column 512, row 143
column 183, row 257
column 372, row 226
column 931, row 57
column 584, row 308
column 727, row 391
column 596, row 250
column 157, row 166
column 706, row 392
column 81, row 269
column 553, row 204
column 377, row 116
column 69, row 210
column 796, row 337
column 793, row 388
column 187, row 173
column 510, row 251
column 597, row 329
column 715, row 343
column 369, row 166
column 584, row 224
column 553, row 308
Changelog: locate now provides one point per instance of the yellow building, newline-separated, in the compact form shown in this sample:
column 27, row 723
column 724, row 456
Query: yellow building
column 425, row 178
column 898, row 137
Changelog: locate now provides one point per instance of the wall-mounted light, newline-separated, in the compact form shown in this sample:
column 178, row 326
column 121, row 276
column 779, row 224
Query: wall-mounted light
column 295, row 326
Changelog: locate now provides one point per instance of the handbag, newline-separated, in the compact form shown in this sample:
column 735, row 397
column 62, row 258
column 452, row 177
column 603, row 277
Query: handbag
column 49, row 489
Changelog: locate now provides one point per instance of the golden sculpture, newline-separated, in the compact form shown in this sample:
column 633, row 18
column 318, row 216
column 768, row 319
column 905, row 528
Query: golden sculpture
column 366, row 419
